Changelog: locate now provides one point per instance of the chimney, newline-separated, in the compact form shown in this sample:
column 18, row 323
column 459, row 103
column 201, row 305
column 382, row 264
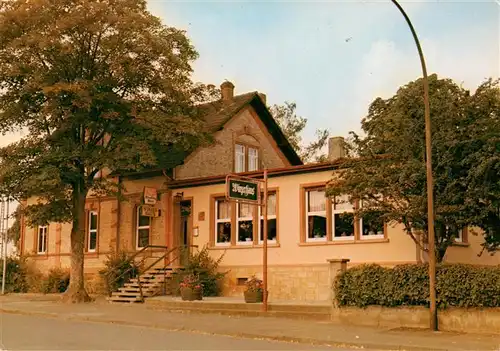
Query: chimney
column 263, row 97
column 336, row 148
column 227, row 91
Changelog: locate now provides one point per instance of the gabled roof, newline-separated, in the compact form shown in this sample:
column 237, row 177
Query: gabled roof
column 216, row 114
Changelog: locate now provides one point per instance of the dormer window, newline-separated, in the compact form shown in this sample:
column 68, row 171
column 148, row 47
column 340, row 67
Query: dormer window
column 246, row 158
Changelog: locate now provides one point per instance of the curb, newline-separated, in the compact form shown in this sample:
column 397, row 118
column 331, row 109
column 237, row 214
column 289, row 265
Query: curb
column 299, row 340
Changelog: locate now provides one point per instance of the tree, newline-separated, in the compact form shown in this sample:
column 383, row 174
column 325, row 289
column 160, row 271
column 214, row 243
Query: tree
column 14, row 232
column 482, row 159
column 293, row 125
column 388, row 170
column 99, row 86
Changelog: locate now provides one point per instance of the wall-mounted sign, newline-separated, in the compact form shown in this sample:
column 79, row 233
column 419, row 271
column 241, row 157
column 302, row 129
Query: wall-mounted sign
column 201, row 216
column 243, row 190
column 150, row 211
column 150, row 196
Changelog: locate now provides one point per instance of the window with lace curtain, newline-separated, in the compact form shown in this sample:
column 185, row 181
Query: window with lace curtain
column 332, row 219
column 272, row 227
column 316, row 215
column 243, row 221
column 222, row 222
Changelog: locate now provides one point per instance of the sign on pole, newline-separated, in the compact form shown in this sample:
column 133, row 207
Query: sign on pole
column 247, row 190
column 243, row 190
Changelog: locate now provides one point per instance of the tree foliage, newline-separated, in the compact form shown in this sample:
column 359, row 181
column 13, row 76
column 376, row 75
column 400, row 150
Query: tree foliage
column 98, row 86
column 293, row 126
column 14, row 232
column 482, row 159
column 387, row 170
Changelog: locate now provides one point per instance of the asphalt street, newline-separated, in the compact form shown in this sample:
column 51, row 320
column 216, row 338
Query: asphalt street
column 21, row 332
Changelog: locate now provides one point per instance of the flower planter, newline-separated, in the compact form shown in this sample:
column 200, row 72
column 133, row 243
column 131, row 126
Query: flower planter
column 189, row 294
column 253, row 296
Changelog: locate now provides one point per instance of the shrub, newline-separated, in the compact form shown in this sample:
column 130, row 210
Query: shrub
column 457, row 285
column 95, row 285
column 205, row 267
column 15, row 277
column 56, row 281
column 254, row 284
column 119, row 268
column 34, row 278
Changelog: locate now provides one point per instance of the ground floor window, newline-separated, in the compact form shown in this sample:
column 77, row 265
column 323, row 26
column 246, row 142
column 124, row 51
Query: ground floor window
column 342, row 218
column 272, row 221
column 242, row 223
column 245, row 223
column 372, row 226
column 223, row 211
column 42, row 239
column 92, row 231
column 335, row 218
column 316, row 227
column 143, row 229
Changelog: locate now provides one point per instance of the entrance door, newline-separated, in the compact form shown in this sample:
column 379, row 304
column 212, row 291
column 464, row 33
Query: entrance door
column 185, row 230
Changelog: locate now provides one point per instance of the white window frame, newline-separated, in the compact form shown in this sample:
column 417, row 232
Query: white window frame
column 369, row 237
column 243, row 219
column 261, row 218
column 92, row 231
column 334, row 212
column 460, row 238
column 222, row 220
column 253, row 158
column 315, row 213
column 237, row 156
column 42, row 229
column 138, row 227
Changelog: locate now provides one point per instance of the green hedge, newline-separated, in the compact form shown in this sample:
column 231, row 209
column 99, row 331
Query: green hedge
column 457, row 285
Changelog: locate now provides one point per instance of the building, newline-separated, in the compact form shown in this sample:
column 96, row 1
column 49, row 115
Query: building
column 305, row 228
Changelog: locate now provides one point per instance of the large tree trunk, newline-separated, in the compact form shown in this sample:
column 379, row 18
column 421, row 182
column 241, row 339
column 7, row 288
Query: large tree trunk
column 76, row 290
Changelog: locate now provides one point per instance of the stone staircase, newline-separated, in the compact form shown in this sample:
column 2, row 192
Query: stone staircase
column 152, row 282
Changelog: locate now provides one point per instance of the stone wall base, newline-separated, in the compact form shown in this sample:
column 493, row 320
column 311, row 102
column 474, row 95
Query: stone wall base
column 293, row 282
column 463, row 320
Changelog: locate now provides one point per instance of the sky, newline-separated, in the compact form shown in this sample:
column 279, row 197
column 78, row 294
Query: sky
column 333, row 58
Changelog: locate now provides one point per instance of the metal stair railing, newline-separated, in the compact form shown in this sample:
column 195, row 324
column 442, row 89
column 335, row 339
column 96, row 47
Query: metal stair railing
column 136, row 266
column 167, row 263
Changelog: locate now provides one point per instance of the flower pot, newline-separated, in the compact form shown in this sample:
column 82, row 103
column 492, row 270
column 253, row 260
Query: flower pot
column 253, row 296
column 190, row 294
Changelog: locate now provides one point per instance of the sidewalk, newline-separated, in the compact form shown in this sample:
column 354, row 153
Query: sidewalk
column 311, row 332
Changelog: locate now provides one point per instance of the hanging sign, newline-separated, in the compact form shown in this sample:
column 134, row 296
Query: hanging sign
column 150, row 196
column 150, row 211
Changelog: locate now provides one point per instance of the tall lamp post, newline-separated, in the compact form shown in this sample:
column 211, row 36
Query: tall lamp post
column 430, row 185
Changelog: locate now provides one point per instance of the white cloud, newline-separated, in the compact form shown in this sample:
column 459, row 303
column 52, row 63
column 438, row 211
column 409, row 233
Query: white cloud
column 469, row 57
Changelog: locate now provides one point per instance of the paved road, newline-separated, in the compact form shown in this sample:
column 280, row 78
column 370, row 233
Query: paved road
column 20, row 332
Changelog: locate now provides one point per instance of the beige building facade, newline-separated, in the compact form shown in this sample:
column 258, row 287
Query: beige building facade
column 305, row 228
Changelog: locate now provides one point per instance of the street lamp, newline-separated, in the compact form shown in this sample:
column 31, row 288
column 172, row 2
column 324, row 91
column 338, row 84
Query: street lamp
column 430, row 187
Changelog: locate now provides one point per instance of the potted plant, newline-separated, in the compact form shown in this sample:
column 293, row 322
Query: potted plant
column 254, row 291
column 191, row 288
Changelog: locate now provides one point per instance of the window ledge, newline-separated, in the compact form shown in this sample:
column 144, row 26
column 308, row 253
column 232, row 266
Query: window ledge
column 259, row 246
column 345, row 242
column 460, row 244
column 44, row 256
